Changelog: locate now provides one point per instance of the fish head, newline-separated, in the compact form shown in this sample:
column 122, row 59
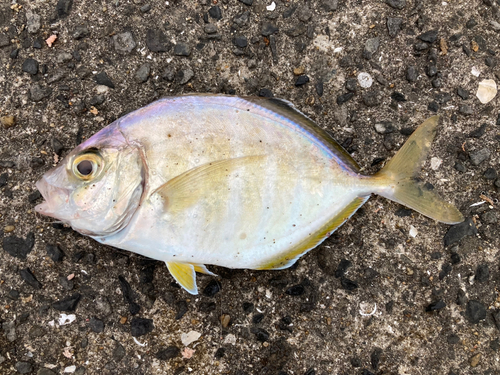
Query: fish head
column 97, row 187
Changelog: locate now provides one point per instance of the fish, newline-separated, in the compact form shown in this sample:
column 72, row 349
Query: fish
column 237, row 182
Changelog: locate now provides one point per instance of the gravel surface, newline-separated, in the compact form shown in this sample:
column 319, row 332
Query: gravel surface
column 391, row 292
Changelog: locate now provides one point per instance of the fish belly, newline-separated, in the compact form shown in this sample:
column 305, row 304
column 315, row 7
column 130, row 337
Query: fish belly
column 261, row 184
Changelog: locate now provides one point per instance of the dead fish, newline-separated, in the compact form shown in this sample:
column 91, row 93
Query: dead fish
column 237, row 182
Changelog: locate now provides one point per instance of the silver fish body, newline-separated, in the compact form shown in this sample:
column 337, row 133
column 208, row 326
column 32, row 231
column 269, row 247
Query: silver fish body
column 222, row 180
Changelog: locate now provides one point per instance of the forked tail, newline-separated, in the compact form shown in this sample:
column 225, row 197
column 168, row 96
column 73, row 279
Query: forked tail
column 396, row 181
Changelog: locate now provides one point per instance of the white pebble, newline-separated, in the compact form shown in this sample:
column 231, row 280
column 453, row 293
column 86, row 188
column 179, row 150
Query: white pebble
column 66, row 319
column 365, row 80
column 435, row 163
column 486, row 90
column 413, row 231
column 271, row 7
column 70, row 369
column 188, row 338
column 475, row 71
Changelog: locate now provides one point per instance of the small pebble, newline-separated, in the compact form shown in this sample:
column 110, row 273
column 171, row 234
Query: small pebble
column 365, row 80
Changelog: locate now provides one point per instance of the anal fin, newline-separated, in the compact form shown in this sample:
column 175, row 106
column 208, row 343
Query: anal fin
column 290, row 256
column 184, row 274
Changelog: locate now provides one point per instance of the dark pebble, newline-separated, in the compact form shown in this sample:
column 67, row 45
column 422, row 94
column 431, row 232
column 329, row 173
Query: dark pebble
column 260, row 334
column 403, row 212
column 479, row 156
column 212, row 288
column 490, row 61
column 348, row 284
column 443, row 97
column 38, row 92
column 37, row 43
column 13, row 294
column 215, row 12
column 142, row 74
column 23, row 367
column 207, row 307
column 128, row 295
column 14, row 53
column 96, row 325
column 33, row 197
column 464, row 94
column 141, row 326
column 57, row 146
column 342, row 268
column 384, row 127
column 482, row 273
column 30, row 66
column 490, row 174
column 182, row 309
column 356, row 362
column 396, row 4
column 289, row 12
column 341, row 99
column 397, row 96
column 319, row 88
column 466, row 50
column 119, row 352
column 240, row 41
column 257, row 318
column 429, row 36
column 461, row 297
column 168, row 353
column 421, row 46
column 466, row 110
column 7, row 164
column 310, row 371
column 498, row 120
column 455, row 258
column 80, row 32
column 445, row 270
column 366, row 372
column 432, row 70
column 301, row 80
column 19, row 247
column 295, row 290
column 248, row 307
column 351, row 84
column 375, row 358
column 96, row 100
column 182, row 49
column 371, row 47
column 453, row 339
column 103, row 79
column 266, row 93
column 479, row 132
column 157, row 41
column 219, row 353
column 246, row 2
column 67, row 304
column 475, row 311
column 434, row 306
column 471, row 23
column 394, row 26
column 372, row 98
column 30, row 279
column 411, row 74
column 433, row 106
column 436, row 255
column 3, row 179
column 495, row 344
column 268, row 29
column 145, row 8
column 66, row 284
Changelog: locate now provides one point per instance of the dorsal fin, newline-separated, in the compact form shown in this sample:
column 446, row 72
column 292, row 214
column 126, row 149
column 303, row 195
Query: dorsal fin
column 287, row 109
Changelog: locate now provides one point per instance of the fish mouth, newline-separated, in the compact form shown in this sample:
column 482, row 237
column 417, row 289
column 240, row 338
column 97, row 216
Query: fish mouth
column 55, row 199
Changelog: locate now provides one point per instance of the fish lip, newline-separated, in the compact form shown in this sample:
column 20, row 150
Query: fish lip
column 48, row 207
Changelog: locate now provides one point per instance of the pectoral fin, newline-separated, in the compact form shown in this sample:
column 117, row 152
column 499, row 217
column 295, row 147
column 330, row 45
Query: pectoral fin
column 201, row 268
column 201, row 182
column 185, row 275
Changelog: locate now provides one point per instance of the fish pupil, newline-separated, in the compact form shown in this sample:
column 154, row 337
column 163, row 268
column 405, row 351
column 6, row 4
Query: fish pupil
column 85, row 167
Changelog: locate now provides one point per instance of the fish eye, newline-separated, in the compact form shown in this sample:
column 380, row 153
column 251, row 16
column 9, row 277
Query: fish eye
column 86, row 166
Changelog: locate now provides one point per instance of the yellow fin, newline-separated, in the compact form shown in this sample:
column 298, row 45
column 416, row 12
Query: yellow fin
column 285, row 260
column 201, row 268
column 189, row 187
column 396, row 180
column 184, row 274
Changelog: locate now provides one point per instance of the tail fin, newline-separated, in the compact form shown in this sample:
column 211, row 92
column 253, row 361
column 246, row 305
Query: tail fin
column 397, row 179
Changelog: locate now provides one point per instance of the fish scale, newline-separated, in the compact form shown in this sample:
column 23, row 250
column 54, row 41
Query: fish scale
column 222, row 180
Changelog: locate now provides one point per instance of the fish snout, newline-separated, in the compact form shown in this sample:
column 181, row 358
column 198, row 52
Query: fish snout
column 55, row 199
